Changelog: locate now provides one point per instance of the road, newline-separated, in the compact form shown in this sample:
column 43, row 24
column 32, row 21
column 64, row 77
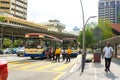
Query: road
column 27, row 69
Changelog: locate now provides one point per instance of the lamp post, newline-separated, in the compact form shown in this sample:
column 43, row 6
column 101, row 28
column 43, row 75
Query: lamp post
column 1, row 36
column 84, row 25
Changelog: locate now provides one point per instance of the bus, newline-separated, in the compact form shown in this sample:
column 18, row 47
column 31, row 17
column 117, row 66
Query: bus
column 36, row 44
column 73, row 44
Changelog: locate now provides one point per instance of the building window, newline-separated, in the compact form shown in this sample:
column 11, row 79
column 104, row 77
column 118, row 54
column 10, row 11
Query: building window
column 101, row 5
column 112, row 4
column 4, row 8
column 107, row 4
column 5, row 2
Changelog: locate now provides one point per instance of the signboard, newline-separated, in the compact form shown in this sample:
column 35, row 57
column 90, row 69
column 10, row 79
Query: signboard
column 97, row 33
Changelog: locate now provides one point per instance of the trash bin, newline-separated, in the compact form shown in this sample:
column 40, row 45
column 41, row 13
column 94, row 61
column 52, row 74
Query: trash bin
column 3, row 69
column 97, row 57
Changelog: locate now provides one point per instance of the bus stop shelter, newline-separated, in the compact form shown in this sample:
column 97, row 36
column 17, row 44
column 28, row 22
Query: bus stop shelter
column 114, row 41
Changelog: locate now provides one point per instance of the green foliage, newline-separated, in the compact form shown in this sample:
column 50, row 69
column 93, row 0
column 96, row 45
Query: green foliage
column 2, row 19
column 80, row 38
column 89, row 35
column 7, row 43
column 104, row 25
column 17, row 42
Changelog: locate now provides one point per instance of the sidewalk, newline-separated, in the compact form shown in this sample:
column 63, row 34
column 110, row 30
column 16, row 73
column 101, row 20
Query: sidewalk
column 95, row 71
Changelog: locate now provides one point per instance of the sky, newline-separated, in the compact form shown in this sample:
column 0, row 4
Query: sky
column 67, row 12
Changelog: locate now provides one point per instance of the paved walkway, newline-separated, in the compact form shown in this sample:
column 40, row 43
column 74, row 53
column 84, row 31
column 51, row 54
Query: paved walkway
column 95, row 71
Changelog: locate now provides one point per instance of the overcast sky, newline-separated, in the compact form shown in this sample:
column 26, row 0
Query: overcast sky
column 67, row 11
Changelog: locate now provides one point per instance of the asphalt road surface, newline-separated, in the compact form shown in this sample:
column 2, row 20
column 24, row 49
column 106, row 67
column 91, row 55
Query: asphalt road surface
column 38, row 69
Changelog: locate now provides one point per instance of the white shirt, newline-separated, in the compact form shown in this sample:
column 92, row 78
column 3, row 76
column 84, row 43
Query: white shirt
column 63, row 51
column 108, row 51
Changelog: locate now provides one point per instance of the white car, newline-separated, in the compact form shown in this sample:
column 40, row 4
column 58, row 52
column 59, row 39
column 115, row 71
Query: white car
column 20, row 51
column 7, row 51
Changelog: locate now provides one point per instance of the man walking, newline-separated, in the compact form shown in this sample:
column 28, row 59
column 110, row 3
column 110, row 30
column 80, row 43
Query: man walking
column 108, row 54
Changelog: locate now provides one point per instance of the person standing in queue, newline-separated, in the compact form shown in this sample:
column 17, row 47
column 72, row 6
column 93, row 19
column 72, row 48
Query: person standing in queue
column 68, row 54
column 63, row 54
column 57, row 53
column 108, row 54
column 50, row 52
column 53, row 54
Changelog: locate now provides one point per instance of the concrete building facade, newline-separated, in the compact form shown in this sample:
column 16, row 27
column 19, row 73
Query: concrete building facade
column 54, row 25
column 109, row 10
column 16, row 8
column 22, row 22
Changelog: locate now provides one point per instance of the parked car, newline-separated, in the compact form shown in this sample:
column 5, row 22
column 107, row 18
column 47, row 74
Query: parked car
column 20, row 51
column 15, row 50
column 7, row 51
column 1, row 52
column 3, row 69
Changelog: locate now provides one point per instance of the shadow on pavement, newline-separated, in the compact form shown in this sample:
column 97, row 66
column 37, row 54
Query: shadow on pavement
column 110, row 75
column 98, row 65
column 116, row 61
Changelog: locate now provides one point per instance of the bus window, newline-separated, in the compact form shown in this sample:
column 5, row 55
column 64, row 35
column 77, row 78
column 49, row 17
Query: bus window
column 33, row 43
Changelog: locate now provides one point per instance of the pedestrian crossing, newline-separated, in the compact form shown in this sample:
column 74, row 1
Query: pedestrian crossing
column 47, row 66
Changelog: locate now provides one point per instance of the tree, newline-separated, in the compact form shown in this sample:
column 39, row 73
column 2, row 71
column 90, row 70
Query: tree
column 104, row 25
column 7, row 43
column 89, row 36
column 17, row 42
column 2, row 19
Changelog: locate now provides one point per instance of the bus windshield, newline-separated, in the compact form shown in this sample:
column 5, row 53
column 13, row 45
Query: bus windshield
column 34, row 43
column 70, row 43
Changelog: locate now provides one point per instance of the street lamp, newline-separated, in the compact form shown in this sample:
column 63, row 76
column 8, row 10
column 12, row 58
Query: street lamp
column 1, row 36
column 84, row 53
column 84, row 25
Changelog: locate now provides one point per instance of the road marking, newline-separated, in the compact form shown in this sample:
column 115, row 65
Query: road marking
column 45, row 66
column 73, row 68
column 14, row 62
column 61, row 67
column 57, row 77
column 32, row 65
column 42, row 66
column 17, row 65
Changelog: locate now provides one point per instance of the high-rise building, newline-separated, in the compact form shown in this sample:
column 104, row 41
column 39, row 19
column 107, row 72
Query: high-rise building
column 16, row 8
column 109, row 10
